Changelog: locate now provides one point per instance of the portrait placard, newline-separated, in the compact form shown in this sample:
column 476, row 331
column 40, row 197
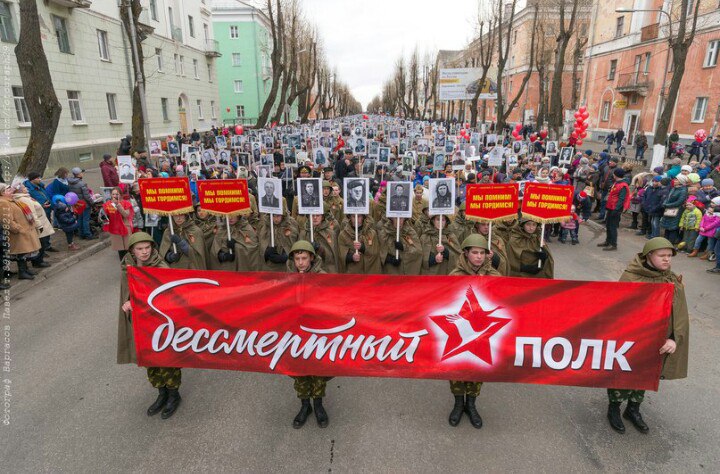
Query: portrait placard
column 442, row 196
column 399, row 199
column 270, row 195
column 309, row 196
column 357, row 196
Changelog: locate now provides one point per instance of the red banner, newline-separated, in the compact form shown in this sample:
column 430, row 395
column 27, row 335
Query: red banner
column 165, row 196
column 491, row 202
column 547, row 203
column 494, row 329
column 224, row 197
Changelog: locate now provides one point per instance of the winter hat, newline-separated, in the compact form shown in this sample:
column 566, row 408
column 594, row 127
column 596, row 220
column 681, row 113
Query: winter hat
column 691, row 199
column 614, row 159
column 658, row 170
column 657, row 178
column 588, row 152
column 583, row 195
column 676, row 161
column 584, row 161
column 682, row 179
column 426, row 179
column 716, row 201
column 76, row 171
column 707, row 182
column 619, row 172
column 687, row 168
column 694, row 178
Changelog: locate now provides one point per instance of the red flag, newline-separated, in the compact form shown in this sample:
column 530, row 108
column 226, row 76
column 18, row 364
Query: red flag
column 491, row 202
column 165, row 196
column 224, row 197
column 547, row 203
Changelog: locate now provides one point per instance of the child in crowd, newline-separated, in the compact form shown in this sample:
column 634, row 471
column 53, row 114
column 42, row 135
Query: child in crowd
column 690, row 224
column 709, row 224
column 66, row 219
column 570, row 227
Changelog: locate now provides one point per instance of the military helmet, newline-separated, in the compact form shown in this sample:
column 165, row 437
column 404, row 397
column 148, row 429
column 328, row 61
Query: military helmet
column 658, row 243
column 302, row 246
column 462, row 206
column 475, row 240
column 523, row 220
column 138, row 237
column 326, row 184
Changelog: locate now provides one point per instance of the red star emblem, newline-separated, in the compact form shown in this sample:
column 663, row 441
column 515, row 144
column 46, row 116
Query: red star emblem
column 470, row 330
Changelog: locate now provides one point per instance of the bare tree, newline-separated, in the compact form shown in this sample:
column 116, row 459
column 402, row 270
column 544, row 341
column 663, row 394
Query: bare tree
column 277, row 31
column 289, row 61
column 42, row 102
column 484, row 54
column 581, row 41
column 429, row 84
column 565, row 29
column 139, row 140
column 305, row 78
column 679, row 44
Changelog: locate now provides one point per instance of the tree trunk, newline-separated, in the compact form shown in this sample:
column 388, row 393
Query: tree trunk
column 277, row 32
column 679, row 55
column 42, row 102
column 139, row 140
column 556, row 105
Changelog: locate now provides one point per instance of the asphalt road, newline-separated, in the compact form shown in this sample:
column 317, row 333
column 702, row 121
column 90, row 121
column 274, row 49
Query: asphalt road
column 72, row 409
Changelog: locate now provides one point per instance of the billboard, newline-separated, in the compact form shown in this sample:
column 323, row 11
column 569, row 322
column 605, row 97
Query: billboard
column 462, row 83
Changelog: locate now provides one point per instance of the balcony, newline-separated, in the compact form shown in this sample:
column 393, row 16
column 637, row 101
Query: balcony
column 212, row 48
column 650, row 32
column 633, row 83
column 144, row 26
column 72, row 3
column 176, row 32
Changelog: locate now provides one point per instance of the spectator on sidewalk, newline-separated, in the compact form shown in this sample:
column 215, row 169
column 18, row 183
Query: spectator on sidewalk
column 119, row 212
column 79, row 187
column 41, row 222
column 19, row 223
column 652, row 201
column 66, row 219
column 690, row 224
column 109, row 173
column 36, row 189
column 641, row 145
column 619, row 137
column 673, row 206
column 618, row 201
column 606, row 182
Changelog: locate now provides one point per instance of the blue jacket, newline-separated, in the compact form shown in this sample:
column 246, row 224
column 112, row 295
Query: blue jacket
column 57, row 187
column 37, row 192
column 583, row 207
column 652, row 200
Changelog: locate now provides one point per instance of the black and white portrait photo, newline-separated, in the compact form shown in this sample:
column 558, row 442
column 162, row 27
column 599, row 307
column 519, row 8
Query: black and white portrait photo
column 373, row 149
column 268, row 142
column 368, row 167
column 442, row 196
column 243, row 159
column 408, row 161
column 384, row 155
column 193, row 161
column 236, row 141
column 440, row 140
column 458, row 161
column 294, row 141
column 270, row 190
column 399, row 199
column 155, row 148
column 221, row 141
column 517, row 147
column 439, row 161
column 173, row 149
column 208, row 157
column 357, row 197
column 449, row 146
column 394, row 137
column 320, row 158
column 266, row 159
column 551, row 148
column 359, row 146
column 126, row 169
column 566, row 156
column 310, row 201
column 224, row 157
column 264, row 171
column 423, row 146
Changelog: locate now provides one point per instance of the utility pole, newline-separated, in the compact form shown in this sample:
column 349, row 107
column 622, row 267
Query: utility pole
column 138, row 73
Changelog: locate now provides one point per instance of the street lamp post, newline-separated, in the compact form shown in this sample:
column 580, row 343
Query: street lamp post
column 658, row 156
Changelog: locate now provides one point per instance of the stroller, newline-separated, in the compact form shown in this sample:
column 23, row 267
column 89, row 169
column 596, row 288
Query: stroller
column 677, row 150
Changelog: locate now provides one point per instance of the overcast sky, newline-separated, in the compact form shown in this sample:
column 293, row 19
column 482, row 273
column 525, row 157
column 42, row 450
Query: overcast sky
column 363, row 38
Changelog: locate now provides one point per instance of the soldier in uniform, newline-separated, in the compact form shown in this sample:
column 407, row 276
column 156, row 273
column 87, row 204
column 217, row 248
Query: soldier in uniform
column 286, row 234
column 207, row 224
column 524, row 252
column 473, row 261
column 439, row 259
column 334, row 202
column 142, row 252
column 185, row 249
column 503, row 228
column 325, row 232
column 498, row 250
column 418, row 202
column 302, row 260
column 409, row 248
column 361, row 256
column 652, row 265
column 240, row 253
column 461, row 226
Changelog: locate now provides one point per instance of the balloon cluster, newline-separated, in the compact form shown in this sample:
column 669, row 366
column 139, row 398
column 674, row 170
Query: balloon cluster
column 516, row 132
column 700, row 135
column 581, row 125
column 542, row 135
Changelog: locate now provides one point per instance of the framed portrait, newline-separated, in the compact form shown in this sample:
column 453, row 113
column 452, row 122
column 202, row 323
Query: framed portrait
column 517, row 147
column 264, row 171
column 359, row 148
column 442, row 196
column 126, row 169
column 243, row 159
column 566, row 155
column 152, row 220
column 155, row 147
column 270, row 195
column 551, row 148
column 394, row 137
column 267, row 142
column 310, row 196
column 408, row 161
column 357, row 195
column 345, row 130
column 449, row 146
column 236, row 141
column 399, row 199
column 320, row 158
column 370, row 133
column 512, row 162
column 173, row 148
column 423, row 146
column 458, row 161
column 438, row 161
column 368, row 167
column 193, row 161
column 383, row 156
column 221, row 141
column 223, row 157
column 295, row 141
column 402, row 148
column 106, row 192
column 208, row 157
column 266, row 159
column 373, row 149
column 495, row 156
column 491, row 139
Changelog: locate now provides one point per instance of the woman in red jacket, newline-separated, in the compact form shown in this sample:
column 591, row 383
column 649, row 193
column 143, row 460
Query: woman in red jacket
column 119, row 212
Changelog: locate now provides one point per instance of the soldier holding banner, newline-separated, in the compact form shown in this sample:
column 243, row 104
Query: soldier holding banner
column 325, row 229
column 183, row 246
column 240, row 251
column 526, row 258
column 439, row 257
column 362, row 255
column 285, row 234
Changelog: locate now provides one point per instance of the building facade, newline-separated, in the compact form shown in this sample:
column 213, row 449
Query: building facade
column 90, row 61
column 245, row 70
column 629, row 69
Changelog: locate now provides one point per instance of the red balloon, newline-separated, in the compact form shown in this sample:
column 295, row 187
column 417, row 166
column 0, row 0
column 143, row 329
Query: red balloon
column 577, row 115
column 467, row 125
column 533, row 137
column 585, row 125
column 227, row 109
column 585, row 115
column 582, row 109
column 579, row 143
column 574, row 135
column 365, row 117
column 543, row 134
column 239, row 130
column 583, row 134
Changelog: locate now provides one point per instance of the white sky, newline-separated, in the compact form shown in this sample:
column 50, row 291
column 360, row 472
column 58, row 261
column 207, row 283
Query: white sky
column 364, row 38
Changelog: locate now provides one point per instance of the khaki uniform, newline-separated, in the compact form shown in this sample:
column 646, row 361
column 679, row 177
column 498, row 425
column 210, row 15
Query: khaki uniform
column 246, row 248
column 326, row 237
column 675, row 366
column 335, row 204
column 461, row 226
column 208, row 227
column 159, row 377
column 286, row 234
column 522, row 255
column 499, row 249
column 502, row 229
column 370, row 255
column 429, row 241
column 410, row 256
column 195, row 260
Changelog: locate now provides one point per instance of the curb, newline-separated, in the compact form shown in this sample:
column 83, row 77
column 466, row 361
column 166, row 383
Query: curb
column 23, row 286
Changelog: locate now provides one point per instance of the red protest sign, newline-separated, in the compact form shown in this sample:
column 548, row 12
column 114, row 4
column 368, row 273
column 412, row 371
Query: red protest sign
column 165, row 196
column 491, row 202
column 494, row 329
column 224, row 197
column 547, row 203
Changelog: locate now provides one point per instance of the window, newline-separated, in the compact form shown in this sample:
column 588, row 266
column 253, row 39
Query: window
column 153, row 10
column 240, row 111
column 112, row 108
column 711, row 56
column 613, row 68
column 236, row 60
column 646, row 70
column 191, row 26
column 62, row 34
column 74, row 105
column 196, row 69
column 206, row 31
column 103, row 45
column 21, row 108
column 199, row 109
column 699, row 110
column 209, row 70
column 158, row 56
column 634, row 99
column 514, row 36
column 164, row 107
column 177, row 63
column 234, row 33
column 7, row 32
column 620, row 27
column 170, row 17
column 182, row 65
column 606, row 111
column 690, row 7
column 213, row 114
column 238, row 87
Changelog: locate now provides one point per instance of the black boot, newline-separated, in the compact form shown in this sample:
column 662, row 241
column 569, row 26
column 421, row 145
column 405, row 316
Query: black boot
column 320, row 413
column 472, row 412
column 23, row 272
column 173, row 402
column 156, row 407
column 39, row 263
column 614, row 417
column 303, row 414
column 457, row 411
column 632, row 413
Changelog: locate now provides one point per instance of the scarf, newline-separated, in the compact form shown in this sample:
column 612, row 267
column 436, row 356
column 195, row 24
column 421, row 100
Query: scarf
column 26, row 211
